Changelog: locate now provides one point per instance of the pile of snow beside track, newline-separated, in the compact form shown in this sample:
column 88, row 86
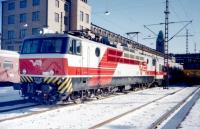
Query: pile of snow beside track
column 193, row 119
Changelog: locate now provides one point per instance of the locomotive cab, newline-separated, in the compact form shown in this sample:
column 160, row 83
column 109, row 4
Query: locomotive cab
column 43, row 67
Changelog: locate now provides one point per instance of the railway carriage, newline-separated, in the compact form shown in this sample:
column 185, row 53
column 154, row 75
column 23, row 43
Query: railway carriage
column 57, row 67
column 9, row 68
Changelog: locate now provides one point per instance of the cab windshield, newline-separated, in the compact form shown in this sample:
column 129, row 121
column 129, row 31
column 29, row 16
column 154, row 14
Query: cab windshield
column 44, row 45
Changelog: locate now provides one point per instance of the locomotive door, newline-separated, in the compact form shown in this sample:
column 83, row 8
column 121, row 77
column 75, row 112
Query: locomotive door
column 88, row 59
column 97, row 54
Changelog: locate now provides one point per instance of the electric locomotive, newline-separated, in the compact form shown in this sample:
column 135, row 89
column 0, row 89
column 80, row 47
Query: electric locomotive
column 56, row 67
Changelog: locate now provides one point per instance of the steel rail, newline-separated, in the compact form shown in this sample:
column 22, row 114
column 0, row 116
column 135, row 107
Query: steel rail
column 18, row 108
column 167, row 114
column 58, row 106
column 13, row 102
column 132, row 110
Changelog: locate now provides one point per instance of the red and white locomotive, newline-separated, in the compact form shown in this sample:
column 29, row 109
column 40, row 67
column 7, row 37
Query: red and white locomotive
column 9, row 68
column 57, row 67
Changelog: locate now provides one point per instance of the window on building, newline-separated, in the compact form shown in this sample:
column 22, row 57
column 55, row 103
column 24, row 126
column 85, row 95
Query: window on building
column 23, row 33
column 23, row 3
column 36, row 16
column 36, row 2
column 57, row 3
column 11, row 6
column 66, row 7
column 84, row 1
column 10, row 47
column 23, row 17
column 81, row 16
column 66, row 20
column 8, row 42
column 20, row 47
column 35, row 31
column 56, row 17
column 11, row 19
column 87, row 18
column 11, row 34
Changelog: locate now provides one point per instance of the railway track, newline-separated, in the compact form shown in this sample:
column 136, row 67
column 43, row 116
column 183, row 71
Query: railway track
column 71, row 104
column 43, row 111
column 13, row 102
column 51, row 108
column 18, row 108
column 178, row 118
column 131, row 111
column 29, row 114
column 15, row 105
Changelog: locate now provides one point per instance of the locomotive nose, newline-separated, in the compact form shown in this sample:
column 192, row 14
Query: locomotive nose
column 42, row 66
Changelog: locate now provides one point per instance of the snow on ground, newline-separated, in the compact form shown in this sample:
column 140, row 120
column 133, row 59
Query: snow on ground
column 142, row 119
column 193, row 118
column 14, row 106
column 9, row 94
column 21, row 112
column 83, row 116
column 178, row 116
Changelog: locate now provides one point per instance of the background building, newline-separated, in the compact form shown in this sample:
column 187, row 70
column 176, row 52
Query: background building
column 189, row 61
column 160, row 42
column 191, row 64
column 22, row 18
column 0, row 41
column 80, row 15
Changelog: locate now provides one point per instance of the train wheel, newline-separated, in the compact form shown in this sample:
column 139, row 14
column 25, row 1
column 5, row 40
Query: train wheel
column 132, row 87
column 105, row 92
column 76, row 97
column 121, row 89
column 98, row 93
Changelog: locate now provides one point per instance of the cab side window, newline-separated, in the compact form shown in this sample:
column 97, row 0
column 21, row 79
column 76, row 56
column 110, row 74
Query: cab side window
column 154, row 62
column 160, row 67
column 78, row 47
column 75, row 47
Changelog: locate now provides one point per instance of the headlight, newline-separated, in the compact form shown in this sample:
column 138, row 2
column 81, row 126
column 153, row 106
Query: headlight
column 51, row 72
column 24, row 71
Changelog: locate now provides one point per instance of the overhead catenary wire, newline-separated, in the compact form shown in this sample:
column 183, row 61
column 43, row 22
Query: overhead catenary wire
column 193, row 30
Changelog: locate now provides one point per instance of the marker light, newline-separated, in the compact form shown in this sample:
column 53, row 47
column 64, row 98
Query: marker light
column 24, row 71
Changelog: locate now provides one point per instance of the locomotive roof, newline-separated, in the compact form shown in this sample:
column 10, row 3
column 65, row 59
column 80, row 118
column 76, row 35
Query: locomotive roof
column 137, row 46
column 47, row 35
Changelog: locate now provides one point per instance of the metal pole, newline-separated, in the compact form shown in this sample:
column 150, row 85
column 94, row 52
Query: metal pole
column 187, row 41
column 166, row 62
